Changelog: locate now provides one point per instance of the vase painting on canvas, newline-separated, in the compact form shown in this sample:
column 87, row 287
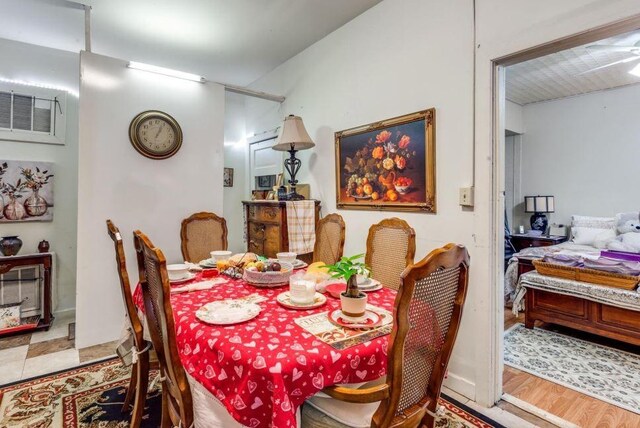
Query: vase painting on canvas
column 26, row 191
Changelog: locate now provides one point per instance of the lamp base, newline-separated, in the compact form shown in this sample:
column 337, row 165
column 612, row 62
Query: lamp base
column 539, row 222
column 293, row 196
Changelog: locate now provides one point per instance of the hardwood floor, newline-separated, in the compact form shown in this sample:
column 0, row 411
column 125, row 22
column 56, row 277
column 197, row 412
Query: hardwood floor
column 563, row 402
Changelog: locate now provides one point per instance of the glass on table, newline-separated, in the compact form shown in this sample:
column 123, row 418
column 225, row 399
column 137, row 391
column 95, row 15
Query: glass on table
column 302, row 291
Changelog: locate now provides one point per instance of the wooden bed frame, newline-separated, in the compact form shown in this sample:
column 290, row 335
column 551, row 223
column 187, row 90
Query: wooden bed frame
column 582, row 314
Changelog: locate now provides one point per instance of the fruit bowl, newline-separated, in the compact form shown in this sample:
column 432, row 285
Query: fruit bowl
column 269, row 278
column 403, row 184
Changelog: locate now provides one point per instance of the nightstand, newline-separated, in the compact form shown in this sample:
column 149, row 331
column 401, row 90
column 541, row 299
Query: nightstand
column 524, row 241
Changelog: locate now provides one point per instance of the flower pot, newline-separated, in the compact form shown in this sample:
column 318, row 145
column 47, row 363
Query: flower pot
column 35, row 205
column 10, row 245
column 14, row 210
column 353, row 306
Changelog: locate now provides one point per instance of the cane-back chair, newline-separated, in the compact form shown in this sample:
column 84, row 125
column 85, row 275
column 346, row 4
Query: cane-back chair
column 391, row 246
column 329, row 239
column 144, row 357
column 427, row 313
column 202, row 233
column 177, row 405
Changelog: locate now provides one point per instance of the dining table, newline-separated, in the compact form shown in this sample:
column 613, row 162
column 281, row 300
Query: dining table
column 262, row 370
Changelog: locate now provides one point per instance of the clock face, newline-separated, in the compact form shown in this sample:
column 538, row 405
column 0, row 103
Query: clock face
column 155, row 134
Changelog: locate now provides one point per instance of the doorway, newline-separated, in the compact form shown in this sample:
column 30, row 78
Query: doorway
column 506, row 147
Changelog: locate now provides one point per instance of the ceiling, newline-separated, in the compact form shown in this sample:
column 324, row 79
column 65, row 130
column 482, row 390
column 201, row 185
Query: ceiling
column 558, row 75
column 230, row 41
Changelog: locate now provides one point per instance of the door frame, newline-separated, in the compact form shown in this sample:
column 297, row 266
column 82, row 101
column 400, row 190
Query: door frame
column 498, row 66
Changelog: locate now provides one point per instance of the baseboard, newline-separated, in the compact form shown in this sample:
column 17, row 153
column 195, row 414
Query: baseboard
column 71, row 311
column 460, row 385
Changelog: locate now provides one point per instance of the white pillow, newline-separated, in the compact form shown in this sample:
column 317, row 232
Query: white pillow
column 593, row 222
column 590, row 235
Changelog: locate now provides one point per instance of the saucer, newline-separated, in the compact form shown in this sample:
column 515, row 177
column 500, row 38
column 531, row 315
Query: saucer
column 285, row 300
column 335, row 289
column 185, row 279
column 370, row 319
column 226, row 312
column 371, row 285
column 207, row 263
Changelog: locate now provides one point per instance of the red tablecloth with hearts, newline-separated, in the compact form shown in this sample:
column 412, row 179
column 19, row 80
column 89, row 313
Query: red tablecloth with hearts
column 264, row 369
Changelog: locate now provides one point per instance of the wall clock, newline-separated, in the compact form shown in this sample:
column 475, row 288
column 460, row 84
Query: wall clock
column 155, row 134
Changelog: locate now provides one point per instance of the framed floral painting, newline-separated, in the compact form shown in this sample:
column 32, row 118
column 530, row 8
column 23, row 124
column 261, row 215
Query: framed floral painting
column 388, row 165
column 26, row 191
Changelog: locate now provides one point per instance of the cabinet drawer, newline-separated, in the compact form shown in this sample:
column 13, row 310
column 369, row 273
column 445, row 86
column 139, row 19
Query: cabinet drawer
column 617, row 317
column 560, row 304
column 264, row 213
column 257, row 230
column 271, row 248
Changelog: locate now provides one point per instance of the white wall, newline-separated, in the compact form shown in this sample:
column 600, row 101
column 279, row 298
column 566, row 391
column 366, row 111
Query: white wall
column 21, row 61
column 236, row 157
column 135, row 192
column 423, row 57
column 584, row 150
column 513, row 117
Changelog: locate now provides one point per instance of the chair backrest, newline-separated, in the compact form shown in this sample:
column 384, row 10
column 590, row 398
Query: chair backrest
column 391, row 246
column 154, row 280
column 125, row 287
column 427, row 314
column 329, row 239
column 202, row 233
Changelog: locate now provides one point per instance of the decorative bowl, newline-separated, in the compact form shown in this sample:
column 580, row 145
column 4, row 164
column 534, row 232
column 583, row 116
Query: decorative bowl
column 177, row 271
column 269, row 279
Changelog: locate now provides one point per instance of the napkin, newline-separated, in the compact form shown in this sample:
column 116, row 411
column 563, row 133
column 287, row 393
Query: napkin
column 193, row 266
column 197, row 286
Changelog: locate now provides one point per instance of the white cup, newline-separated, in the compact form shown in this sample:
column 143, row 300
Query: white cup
column 220, row 255
column 302, row 291
column 287, row 257
column 177, row 271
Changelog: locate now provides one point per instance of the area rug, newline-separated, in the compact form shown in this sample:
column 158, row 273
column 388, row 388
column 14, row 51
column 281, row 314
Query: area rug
column 92, row 396
column 601, row 372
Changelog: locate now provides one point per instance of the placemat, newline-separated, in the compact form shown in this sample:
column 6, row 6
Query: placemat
column 340, row 337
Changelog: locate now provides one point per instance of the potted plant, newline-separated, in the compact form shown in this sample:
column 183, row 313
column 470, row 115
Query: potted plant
column 352, row 300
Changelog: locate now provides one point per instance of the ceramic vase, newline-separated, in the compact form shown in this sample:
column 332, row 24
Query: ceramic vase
column 35, row 205
column 14, row 210
column 10, row 245
column 353, row 306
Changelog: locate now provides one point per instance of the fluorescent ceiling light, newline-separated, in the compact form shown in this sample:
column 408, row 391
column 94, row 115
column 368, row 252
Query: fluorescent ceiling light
column 165, row 71
column 38, row 85
column 635, row 70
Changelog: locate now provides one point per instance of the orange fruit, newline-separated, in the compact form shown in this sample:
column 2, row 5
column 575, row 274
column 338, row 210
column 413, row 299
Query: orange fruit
column 359, row 191
column 365, row 180
column 392, row 195
column 375, row 196
column 368, row 189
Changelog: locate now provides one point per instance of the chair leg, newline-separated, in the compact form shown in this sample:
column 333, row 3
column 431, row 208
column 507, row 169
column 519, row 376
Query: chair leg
column 428, row 421
column 131, row 389
column 166, row 419
column 142, row 385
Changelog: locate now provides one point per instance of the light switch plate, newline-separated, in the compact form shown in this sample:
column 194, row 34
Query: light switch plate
column 466, row 196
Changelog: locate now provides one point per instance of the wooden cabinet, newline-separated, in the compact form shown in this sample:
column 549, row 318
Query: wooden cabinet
column 524, row 241
column 28, row 276
column 266, row 227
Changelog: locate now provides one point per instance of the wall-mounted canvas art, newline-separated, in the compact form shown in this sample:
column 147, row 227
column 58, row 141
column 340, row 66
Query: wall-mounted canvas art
column 388, row 165
column 26, row 191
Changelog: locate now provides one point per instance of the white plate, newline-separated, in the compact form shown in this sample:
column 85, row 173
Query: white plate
column 185, row 279
column 371, row 285
column 299, row 264
column 285, row 300
column 226, row 312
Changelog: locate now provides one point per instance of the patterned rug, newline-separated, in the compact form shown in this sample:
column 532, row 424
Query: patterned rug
column 601, row 372
column 91, row 396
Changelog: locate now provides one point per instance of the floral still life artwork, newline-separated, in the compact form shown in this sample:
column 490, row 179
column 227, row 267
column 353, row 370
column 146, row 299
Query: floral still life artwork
column 26, row 191
column 388, row 165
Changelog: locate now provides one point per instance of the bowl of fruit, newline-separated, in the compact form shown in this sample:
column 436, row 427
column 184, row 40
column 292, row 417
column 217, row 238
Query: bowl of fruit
column 269, row 273
column 403, row 184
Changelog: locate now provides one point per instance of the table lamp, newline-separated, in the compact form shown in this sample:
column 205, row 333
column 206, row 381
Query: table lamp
column 539, row 205
column 292, row 138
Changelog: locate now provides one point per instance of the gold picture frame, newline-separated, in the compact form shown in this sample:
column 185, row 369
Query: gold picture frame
column 388, row 165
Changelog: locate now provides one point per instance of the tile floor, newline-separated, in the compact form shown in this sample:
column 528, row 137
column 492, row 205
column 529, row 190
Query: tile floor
column 34, row 354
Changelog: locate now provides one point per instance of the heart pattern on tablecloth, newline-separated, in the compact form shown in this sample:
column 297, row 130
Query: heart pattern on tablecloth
column 264, row 369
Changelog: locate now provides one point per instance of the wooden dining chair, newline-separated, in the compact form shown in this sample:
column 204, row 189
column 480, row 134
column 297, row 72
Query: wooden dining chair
column 144, row 356
column 391, row 246
column 329, row 239
column 202, row 233
column 177, row 405
column 427, row 313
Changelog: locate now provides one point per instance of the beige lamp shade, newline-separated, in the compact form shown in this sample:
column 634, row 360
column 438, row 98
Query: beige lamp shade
column 539, row 204
column 293, row 135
